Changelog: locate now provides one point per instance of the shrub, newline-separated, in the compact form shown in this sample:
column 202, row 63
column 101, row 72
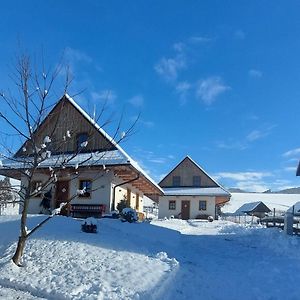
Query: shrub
column 89, row 225
column 129, row 215
column 202, row 217
column 122, row 204
column 210, row 218
column 205, row 217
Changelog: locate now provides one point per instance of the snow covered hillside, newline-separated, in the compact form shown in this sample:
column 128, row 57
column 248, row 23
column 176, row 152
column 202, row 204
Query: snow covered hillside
column 165, row 259
column 281, row 202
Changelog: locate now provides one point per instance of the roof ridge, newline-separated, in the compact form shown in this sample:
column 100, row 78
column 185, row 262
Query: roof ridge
column 95, row 124
column 199, row 167
column 102, row 131
column 217, row 183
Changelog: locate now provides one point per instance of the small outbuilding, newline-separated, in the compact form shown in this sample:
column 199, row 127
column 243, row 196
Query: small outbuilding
column 257, row 209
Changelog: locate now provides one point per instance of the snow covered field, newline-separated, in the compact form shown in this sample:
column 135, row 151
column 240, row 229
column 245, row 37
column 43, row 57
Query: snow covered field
column 164, row 259
column 281, row 202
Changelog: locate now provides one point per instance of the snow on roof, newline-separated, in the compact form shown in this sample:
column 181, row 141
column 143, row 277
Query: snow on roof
column 113, row 157
column 94, row 123
column 281, row 202
column 190, row 191
column 247, row 207
column 295, row 208
column 129, row 159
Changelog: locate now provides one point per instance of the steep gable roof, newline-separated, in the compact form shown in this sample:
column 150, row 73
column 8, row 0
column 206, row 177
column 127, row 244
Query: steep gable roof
column 65, row 116
column 199, row 168
column 119, row 148
column 252, row 207
column 115, row 155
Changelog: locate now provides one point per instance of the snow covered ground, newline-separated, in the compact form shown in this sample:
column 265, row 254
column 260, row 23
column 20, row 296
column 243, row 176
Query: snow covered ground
column 164, row 259
column 281, row 202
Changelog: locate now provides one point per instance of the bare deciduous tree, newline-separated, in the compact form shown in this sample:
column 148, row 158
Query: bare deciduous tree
column 25, row 110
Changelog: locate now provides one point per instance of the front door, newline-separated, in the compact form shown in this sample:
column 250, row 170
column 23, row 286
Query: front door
column 62, row 192
column 185, row 210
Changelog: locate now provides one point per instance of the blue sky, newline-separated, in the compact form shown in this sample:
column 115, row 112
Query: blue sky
column 216, row 80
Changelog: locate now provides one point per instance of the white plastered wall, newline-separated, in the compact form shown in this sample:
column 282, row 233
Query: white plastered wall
column 194, row 206
column 121, row 191
column 34, row 203
column 101, row 186
column 102, row 190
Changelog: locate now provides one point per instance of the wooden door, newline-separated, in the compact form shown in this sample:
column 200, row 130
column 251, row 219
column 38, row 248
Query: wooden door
column 185, row 210
column 62, row 191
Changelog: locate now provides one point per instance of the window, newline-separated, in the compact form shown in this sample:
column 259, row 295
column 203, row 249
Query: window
column 202, row 205
column 35, row 186
column 196, row 181
column 176, row 180
column 86, row 187
column 81, row 139
column 172, row 205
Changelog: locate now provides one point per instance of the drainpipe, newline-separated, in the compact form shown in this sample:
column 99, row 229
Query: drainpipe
column 114, row 190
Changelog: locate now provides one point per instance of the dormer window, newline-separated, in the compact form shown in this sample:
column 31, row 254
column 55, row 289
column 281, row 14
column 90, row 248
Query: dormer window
column 176, row 181
column 81, row 141
column 196, row 181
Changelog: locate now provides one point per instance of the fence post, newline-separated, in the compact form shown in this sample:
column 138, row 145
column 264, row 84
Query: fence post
column 288, row 223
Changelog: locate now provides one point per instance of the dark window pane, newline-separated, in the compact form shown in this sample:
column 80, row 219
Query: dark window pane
column 85, row 185
column 176, row 180
column 202, row 205
column 172, row 205
column 81, row 138
column 196, row 181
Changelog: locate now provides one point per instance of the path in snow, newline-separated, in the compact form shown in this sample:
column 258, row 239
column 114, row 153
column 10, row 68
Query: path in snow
column 218, row 260
column 234, row 263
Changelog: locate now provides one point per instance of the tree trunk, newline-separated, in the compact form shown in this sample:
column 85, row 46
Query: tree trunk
column 23, row 233
column 19, row 251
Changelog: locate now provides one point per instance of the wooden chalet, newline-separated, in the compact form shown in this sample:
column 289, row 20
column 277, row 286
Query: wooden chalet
column 105, row 172
column 189, row 193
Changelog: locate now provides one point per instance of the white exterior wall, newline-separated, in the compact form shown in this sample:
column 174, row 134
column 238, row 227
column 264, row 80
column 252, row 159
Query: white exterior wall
column 103, row 191
column 34, row 203
column 163, row 208
column 101, row 195
column 121, row 191
column 101, row 188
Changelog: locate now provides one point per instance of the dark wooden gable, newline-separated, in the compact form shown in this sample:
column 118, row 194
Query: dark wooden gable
column 261, row 208
column 186, row 170
column 66, row 118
